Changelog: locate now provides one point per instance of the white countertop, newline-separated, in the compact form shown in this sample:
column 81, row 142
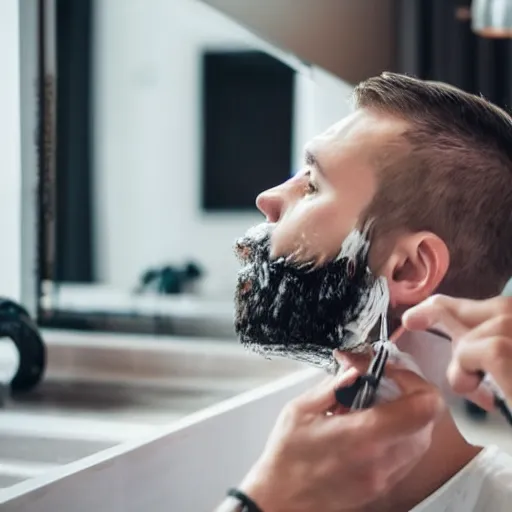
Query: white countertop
column 104, row 389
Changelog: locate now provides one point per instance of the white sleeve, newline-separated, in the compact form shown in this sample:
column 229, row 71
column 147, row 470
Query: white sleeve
column 496, row 492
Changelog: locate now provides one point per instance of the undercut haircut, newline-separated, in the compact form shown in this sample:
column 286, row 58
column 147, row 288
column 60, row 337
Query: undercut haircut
column 454, row 178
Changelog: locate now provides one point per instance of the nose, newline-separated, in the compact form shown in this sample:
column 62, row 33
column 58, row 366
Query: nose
column 270, row 203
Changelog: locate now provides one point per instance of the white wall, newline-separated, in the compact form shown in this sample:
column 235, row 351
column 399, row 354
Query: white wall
column 147, row 179
column 10, row 152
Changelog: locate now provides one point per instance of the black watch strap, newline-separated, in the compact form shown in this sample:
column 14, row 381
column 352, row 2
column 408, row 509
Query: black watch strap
column 248, row 503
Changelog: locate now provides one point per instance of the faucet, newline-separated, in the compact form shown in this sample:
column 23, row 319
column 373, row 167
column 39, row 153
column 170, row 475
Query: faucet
column 16, row 324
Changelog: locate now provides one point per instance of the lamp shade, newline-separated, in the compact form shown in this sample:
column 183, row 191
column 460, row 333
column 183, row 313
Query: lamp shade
column 492, row 18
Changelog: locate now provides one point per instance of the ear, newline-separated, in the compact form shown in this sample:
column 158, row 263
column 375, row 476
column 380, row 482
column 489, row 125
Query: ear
column 415, row 268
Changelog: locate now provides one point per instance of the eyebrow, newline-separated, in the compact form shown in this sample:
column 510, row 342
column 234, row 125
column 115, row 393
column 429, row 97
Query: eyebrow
column 311, row 160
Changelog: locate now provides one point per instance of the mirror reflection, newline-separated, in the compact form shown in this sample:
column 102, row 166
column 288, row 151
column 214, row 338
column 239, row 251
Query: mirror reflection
column 182, row 116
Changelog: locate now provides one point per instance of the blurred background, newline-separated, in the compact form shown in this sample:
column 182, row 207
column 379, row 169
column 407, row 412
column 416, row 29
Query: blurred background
column 170, row 118
column 159, row 122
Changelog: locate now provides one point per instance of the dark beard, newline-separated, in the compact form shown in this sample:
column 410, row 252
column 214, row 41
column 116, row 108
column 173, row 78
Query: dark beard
column 304, row 312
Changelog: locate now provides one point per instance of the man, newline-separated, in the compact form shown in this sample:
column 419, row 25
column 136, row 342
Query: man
column 432, row 167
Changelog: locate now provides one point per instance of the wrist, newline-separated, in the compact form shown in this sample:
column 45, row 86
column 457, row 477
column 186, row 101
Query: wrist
column 257, row 486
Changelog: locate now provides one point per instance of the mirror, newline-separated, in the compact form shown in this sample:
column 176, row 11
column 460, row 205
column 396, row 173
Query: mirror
column 170, row 119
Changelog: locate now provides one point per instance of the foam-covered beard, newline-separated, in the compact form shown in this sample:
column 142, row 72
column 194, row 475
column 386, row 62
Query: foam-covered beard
column 303, row 311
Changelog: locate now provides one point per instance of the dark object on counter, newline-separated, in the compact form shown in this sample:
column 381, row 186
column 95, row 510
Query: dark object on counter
column 169, row 280
column 16, row 324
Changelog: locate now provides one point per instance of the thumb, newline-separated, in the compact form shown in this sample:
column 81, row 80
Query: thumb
column 322, row 397
column 409, row 382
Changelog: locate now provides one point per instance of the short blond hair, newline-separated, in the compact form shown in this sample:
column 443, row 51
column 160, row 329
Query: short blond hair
column 455, row 179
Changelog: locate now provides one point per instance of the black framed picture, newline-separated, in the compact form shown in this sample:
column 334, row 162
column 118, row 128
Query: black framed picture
column 248, row 107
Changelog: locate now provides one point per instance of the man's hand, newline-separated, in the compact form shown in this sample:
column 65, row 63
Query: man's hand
column 317, row 461
column 482, row 335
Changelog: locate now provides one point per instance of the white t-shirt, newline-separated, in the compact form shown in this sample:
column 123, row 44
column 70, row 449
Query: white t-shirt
column 484, row 485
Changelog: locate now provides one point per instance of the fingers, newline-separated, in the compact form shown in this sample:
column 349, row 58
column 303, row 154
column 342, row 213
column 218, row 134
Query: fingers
column 453, row 315
column 464, row 382
column 482, row 335
column 492, row 355
column 348, row 377
column 462, row 379
column 322, row 397
column 419, row 405
column 404, row 416
column 497, row 325
column 488, row 348
column 319, row 399
column 407, row 381
column 413, row 414
column 410, row 417
column 439, row 312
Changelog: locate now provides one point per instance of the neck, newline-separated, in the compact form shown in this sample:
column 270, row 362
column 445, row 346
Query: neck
column 449, row 452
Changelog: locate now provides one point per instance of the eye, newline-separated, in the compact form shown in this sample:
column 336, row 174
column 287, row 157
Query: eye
column 311, row 186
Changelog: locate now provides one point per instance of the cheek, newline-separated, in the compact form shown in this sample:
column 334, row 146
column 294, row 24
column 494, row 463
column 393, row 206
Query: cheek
column 312, row 231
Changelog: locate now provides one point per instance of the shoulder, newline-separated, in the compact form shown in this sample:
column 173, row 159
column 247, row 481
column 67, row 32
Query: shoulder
column 483, row 485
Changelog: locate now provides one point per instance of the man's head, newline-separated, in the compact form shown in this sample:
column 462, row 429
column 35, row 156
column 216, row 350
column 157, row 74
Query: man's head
column 431, row 166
